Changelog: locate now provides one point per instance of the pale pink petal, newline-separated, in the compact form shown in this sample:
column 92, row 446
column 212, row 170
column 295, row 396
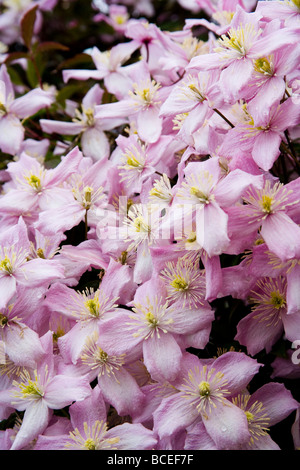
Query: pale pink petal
column 89, row 410
column 121, row 109
column 68, row 165
column 149, row 124
column 198, row 439
column 291, row 325
column 155, row 350
column 174, row 414
column 8, row 288
column 177, row 103
column 63, row 390
column 61, row 127
column 81, row 74
column 22, row 345
column 257, row 335
column 122, row 392
column 118, row 281
column 11, row 134
column 117, row 335
column 293, row 291
column 281, row 235
column 18, row 202
column 72, row 343
column 264, row 442
column 118, row 84
column 59, row 220
column 143, row 265
column 93, row 97
column 231, row 188
column 266, row 149
column 34, row 422
column 213, row 276
column 58, row 442
column 88, row 252
column 238, row 370
column 270, row 92
column 211, row 229
column 188, row 321
column 38, row 271
column 30, row 103
column 95, row 144
column 234, row 78
column 132, row 436
column 278, row 402
column 205, row 62
column 227, row 425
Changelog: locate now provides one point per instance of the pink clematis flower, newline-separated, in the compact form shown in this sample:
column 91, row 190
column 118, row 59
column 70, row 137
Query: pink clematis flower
column 94, row 141
column 118, row 386
column 142, row 104
column 82, row 194
column 271, row 210
column 39, row 393
column 206, row 194
column 266, row 407
column 88, row 309
column 32, row 187
column 244, row 42
column 268, row 319
column 90, row 430
column 287, row 12
column 203, row 391
column 152, row 330
column 109, row 67
column 263, row 132
column 22, row 344
column 16, row 270
column 13, row 110
column 266, row 263
column 193, row 99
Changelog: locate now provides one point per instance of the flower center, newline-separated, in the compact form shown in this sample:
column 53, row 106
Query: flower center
column 3, row 320
column 250, row 416
column 140, row 224
column 92, row 438
column 197, row 93
column 277, row 300
column 203, row 198
column 266, row 203
column 6, row 265
column 90, row 444
column 153, row 322
column 179, row 283
column 28, row 388
column 93, row 306
column 263, row 66
column 204, row 389
column 145, row 94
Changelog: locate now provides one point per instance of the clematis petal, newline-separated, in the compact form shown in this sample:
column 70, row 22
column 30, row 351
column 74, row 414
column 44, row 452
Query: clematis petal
column 155, row 350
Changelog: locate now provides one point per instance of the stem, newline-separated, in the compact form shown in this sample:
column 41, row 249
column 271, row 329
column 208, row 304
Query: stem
column 286, row 133
column 284, row 149
column 223, row 117
column 36, row 71
column 86, row 225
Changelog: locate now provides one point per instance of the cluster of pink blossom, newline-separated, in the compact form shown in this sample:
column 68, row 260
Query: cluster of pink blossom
column 181, row 154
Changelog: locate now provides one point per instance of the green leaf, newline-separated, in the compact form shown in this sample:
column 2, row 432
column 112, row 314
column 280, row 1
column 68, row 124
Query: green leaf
column 16, row 56
column 78, row 59
column 50, row 46
column 31, row 75
column 27, row 25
